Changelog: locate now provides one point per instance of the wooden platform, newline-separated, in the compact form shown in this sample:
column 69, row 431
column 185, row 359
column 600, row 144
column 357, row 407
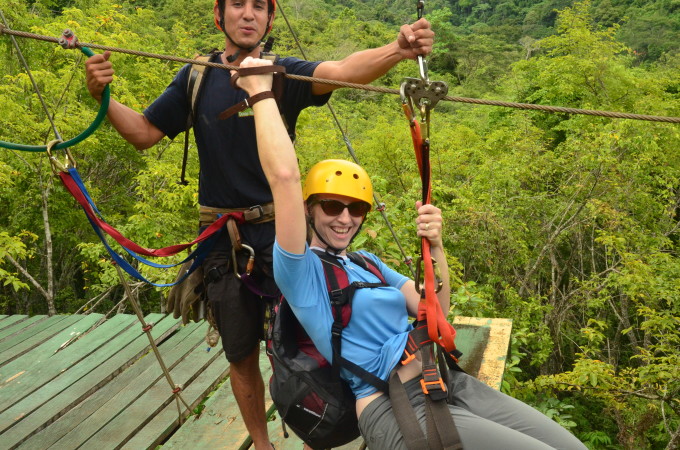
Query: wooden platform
column 65, row 383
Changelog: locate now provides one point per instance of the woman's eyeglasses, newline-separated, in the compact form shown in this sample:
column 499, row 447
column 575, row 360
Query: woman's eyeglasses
column 336, row 207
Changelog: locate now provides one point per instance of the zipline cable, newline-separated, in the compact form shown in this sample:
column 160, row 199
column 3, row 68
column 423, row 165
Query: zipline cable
column 365, row 87
column 350, row 149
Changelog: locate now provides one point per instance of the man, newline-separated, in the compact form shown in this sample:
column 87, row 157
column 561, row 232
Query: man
column 230, row 172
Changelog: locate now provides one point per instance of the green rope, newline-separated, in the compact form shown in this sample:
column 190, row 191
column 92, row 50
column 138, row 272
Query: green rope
column 106, row 96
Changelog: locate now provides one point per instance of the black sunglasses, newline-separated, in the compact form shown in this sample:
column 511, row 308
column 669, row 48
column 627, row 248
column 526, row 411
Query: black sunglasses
column 336, row 207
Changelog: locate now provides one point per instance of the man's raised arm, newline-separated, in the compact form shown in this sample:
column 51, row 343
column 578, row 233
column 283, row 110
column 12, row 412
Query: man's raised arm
column 368, row 65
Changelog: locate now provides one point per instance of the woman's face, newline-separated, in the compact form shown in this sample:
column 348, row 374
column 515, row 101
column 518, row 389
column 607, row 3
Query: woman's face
column 336, row 229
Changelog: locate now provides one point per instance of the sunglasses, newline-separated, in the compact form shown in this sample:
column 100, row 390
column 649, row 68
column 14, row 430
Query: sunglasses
column 336, row 207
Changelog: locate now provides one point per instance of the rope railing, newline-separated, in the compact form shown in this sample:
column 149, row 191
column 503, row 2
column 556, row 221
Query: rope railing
column 365, row 87
column 131, row 297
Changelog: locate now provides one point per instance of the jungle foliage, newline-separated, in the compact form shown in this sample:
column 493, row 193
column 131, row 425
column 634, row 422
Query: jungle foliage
column 568, row 224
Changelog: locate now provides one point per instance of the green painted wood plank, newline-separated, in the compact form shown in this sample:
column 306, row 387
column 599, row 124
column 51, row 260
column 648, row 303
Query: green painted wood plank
column 74, row 428
column 100, row 367
column 489, row 358
column 91, row 413
column 66, row 331
column 471, row 340
column 9, row 320
column 220, row 424
column 35, row 356
column 58, row 331
column 52, row 364
column 46, row 351
column 18, row 345
column 19, row 326
column 135, row 416
column 167, row 420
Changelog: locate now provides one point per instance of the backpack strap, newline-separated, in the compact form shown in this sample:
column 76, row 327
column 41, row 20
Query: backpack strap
column 341, row 293
column 194, row 88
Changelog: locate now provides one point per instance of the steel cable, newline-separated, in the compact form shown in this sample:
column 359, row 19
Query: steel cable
column 365, row 87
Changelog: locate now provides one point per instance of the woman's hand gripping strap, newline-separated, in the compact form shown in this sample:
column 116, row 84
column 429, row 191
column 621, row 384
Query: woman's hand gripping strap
column 276, row 93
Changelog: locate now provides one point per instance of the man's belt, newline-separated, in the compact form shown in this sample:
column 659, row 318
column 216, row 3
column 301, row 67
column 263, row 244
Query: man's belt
column 254, row 214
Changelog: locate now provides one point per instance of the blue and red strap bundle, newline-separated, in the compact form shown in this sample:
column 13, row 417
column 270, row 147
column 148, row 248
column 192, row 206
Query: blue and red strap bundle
column 74, row 184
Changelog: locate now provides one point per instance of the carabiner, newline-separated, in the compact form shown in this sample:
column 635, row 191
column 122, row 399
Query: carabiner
column 57, row 166
column 249, row 265
column 437, row 276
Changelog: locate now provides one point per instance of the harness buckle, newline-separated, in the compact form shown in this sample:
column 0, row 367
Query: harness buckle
column 258, row 209
column 337, row 297
column 433, row 384
column 336, row 329
column 407, row 358
column 437, row 389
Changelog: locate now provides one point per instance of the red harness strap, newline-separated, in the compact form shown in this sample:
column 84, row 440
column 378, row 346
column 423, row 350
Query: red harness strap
column 77, row 193
column 429, row 309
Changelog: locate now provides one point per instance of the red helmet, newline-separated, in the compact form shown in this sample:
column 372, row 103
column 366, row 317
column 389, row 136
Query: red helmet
column 272, row 10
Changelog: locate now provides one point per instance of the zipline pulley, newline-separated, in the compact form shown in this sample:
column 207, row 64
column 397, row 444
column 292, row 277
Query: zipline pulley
column 68, row 40
column 422, row 94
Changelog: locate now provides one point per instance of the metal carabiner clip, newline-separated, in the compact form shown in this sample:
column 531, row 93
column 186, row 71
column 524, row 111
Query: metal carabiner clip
column 437, row 276
column 249, row 265
column 57, row 166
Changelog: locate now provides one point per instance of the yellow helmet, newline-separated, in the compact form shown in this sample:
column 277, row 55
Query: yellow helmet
column 337, row 176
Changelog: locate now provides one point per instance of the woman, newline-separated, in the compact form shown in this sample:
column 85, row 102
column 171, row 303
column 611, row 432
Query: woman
column 334, row 202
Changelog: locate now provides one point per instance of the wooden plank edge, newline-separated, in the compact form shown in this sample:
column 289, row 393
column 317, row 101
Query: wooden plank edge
column 167, row 420
column 83, row 394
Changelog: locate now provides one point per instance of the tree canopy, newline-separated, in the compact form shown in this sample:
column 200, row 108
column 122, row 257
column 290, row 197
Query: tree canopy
column 568, row 224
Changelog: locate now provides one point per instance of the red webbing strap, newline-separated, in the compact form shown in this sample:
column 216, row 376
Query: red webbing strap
column 439, row 330
column 77, row 193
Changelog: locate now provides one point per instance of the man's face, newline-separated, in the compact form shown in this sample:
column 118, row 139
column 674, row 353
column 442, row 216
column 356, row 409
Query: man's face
column 245, row 21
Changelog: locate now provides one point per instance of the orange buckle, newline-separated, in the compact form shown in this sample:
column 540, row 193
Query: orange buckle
column 409, row 357
column 439, row 382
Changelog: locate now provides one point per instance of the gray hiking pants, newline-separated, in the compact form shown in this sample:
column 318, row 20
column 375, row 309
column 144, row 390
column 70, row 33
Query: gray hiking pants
column 486, row 419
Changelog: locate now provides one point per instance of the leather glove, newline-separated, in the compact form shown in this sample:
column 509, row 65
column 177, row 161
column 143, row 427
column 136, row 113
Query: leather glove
column 183, row 298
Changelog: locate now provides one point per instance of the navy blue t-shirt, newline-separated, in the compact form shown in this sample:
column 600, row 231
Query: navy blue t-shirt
column 230, row 172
